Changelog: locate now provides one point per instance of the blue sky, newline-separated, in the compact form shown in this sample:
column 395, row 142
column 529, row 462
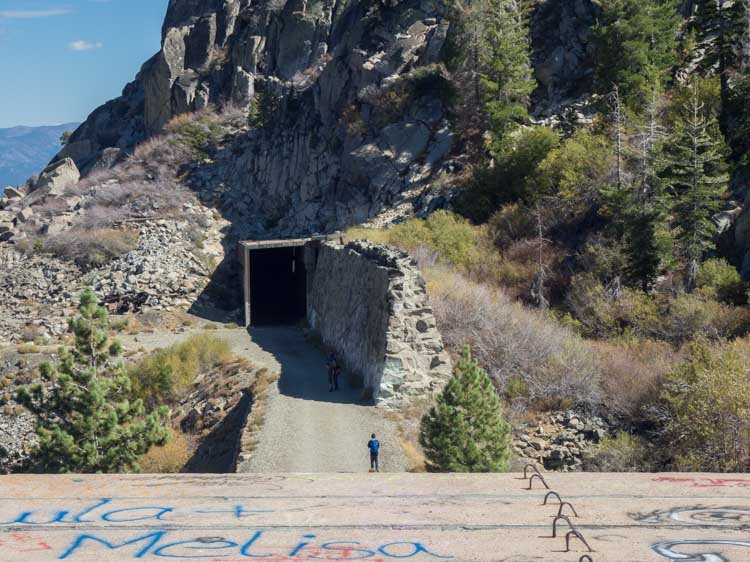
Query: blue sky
column 60, row 59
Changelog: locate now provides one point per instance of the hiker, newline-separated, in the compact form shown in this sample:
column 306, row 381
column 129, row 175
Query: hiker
column 336, row 375
column 374, row 446
column 331, row 366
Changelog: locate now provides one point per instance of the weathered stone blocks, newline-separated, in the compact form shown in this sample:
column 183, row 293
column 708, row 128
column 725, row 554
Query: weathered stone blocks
column 369, row 303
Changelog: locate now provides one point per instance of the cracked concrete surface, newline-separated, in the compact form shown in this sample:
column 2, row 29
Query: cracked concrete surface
column 375, row 517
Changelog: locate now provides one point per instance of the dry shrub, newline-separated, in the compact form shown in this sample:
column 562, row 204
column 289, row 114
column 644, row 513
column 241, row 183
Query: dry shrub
column 632, row 375
column 512, row 223
column 512, row 342
column 27, row 349
column 90, row 249
column 169, row 458
column 166, row 375
column 706, row 402
column 148, row 182
column 674, row 319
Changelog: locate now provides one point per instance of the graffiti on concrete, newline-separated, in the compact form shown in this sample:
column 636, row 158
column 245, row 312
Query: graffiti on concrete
column 258, row 545
column 738, row 516
column 21, row 542
column 667, row 550
column 705, row 482
column 106, row 511
column 167, row 530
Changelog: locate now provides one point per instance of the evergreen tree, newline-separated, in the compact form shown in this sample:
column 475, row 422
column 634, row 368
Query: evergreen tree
column 86, row 419
column 507, row 79
column 465, row 431
column 490, row 60
column 636, row 46
column 642, row 250
column 697, row 175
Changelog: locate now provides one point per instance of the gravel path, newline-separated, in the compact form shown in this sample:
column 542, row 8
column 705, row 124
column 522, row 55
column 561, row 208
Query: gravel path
column 307, row 428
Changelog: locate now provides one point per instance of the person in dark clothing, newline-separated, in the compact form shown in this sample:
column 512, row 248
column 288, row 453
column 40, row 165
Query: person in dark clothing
column 336, row 375
column 374, row 445
column 331, row 366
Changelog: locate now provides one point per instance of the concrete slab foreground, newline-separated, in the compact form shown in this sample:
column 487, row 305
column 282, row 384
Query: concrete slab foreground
column 376, row 518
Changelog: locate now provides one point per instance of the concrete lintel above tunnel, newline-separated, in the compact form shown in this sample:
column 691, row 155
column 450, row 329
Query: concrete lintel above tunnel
column 276, row 280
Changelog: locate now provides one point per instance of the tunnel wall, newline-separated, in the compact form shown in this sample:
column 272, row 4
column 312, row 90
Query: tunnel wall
column 370, row 304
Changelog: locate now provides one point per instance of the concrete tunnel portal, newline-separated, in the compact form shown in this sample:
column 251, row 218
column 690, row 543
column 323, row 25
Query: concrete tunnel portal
column 276, row 279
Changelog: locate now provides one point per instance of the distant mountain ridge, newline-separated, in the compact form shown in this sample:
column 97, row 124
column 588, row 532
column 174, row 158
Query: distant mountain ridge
column 25, row 151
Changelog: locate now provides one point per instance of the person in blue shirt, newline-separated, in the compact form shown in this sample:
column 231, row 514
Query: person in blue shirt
column 374, row 446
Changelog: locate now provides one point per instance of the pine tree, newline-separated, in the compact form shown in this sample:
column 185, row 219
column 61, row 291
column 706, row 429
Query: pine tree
column 507, row 80
column 86, row 420
column 642, row 250
column 697, row 175
column 465, row 431
column 636, row 46
column 491, row 63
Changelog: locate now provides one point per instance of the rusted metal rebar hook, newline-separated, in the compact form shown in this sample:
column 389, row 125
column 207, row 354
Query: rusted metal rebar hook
column 564, row 518
column 577, row 535
column 552, row 493
column 527, row 467
column 541, row 479
column 570, row 505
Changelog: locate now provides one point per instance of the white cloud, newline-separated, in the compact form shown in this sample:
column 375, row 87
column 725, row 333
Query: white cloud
column 31, row 14
column 82, row 45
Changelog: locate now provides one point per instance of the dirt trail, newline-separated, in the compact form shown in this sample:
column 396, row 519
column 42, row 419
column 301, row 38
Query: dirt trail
column 306, row 428
column 309, row 429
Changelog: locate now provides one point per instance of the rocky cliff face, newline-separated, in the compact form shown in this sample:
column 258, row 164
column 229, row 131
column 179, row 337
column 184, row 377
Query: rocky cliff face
column 563, row 53
column 353, row 119
column 349, row 95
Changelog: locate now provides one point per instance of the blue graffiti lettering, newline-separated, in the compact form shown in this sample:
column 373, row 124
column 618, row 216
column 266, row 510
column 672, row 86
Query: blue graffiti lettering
column 300, row 546
column 152, row 538
column 209, row 543
column 160, row 512
column 238, row 511
column 415, row 546
column 59, row 517
column 245, row 550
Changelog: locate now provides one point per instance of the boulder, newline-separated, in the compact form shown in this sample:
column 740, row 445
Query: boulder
column 24, row 215
column 58, row 176
column 243, row 87
column 12, row 193
column 6, row 231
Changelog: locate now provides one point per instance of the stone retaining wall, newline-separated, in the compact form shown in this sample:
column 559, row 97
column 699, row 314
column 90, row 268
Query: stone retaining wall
column 370, row 304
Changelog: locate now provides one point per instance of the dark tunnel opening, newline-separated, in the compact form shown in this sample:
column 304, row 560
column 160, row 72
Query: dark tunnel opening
column 278, row 286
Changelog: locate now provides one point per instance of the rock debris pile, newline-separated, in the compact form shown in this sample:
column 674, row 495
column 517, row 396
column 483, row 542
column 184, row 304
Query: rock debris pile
column 560, row 441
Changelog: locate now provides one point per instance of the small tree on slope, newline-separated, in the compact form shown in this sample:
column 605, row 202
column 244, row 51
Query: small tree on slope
column 465, row 431
column 86, row 419
column 697, row 174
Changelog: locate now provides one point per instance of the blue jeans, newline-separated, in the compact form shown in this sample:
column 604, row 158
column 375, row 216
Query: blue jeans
column 374, row 461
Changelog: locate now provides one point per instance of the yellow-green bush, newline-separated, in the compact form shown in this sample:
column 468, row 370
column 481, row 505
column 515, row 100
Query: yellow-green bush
column 665, row 317
column 511, row 178
column 577, row 170
column 720, row 280
column 455, row 240
column 166, row 374
column 622, row 453
column 707, row 400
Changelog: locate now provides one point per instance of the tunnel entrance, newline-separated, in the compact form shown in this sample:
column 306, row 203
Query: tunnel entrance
column 275, row 280
column 278, row 288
